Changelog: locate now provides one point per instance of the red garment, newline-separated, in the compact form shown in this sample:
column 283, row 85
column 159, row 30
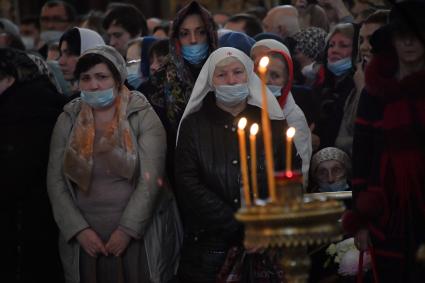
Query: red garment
column 389, row 166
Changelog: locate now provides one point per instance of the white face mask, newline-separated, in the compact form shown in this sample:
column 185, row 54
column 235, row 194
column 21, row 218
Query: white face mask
column 275, row 89
column 50, row 36
column 308, row 71
column 28, row 42
column 231, row 95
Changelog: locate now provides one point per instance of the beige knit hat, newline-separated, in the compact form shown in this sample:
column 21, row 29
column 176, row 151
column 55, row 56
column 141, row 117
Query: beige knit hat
column 113, row 56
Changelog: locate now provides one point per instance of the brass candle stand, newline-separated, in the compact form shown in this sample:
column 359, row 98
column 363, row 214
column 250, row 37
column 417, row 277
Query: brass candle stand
column 292, row 224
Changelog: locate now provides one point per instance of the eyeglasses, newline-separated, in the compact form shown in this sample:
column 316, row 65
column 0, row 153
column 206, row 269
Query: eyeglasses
column 53, row 20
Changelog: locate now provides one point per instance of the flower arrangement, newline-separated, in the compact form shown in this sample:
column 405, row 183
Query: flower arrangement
column 346, row 256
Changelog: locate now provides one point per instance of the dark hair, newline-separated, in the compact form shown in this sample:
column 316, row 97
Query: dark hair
column 88, row 61
column 13, row 41
column 159, row 48
column 94, row 21
column 259, row 12
column 73, row 39
column 128, row 17
column 252, row 24
column 378, row 17
column 16, row 63
column 31, row 20
column 164, row 25
column 69, row 9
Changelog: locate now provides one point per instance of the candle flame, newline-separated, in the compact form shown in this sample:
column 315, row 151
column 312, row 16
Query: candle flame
column 264, row 62
column 254, row 129
column 290, row 133
column 242, row 123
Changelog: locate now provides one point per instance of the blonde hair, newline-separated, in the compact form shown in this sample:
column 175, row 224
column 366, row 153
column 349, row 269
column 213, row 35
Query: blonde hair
column 345, row 29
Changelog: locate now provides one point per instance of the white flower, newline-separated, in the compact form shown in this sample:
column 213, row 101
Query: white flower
column 349, row 262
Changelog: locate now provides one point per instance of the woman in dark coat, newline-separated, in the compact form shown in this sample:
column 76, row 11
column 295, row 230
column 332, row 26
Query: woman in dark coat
column 207, row 160
column 29, row 106
column 388, row 151
column 338, row 84
column 193, row 38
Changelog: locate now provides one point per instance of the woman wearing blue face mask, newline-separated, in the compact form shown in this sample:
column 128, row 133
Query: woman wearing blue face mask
column 330, row 171
column 107, row 183
column 193, row 38
column 334, row 94
column 207, row 171
column 279, row 82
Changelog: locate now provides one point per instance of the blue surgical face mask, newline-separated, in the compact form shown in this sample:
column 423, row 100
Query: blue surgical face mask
column 339, row 186
column 135, row 80
column 340, row 67
column 231, row 95
column 275, row 89
column 98, row 99
column 196, row 53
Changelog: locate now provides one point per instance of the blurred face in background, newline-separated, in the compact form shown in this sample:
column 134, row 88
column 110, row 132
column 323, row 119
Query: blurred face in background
column 54, row 18
column 67, row 61
column 118, row 38
column 365, row 48
column 409, row 48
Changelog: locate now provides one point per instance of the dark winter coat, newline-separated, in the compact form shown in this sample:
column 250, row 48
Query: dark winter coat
column 208, row 185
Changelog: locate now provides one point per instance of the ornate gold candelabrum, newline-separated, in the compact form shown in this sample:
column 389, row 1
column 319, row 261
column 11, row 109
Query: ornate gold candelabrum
column 292, row 224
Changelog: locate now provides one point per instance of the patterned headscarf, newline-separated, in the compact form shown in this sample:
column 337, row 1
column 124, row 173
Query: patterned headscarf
column 311, row 41
column 78, row 163
column 176, row 57
column 330, row 153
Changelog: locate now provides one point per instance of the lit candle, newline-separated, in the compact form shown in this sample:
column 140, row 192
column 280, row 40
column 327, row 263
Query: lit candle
column 265, row 121
column 243, row 160
column 252, row 142
column 290, row 133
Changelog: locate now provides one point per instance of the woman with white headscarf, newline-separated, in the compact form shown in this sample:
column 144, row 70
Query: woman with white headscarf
column 207, row 161
column 292, row 112
column 72, row 44
column 106, row 180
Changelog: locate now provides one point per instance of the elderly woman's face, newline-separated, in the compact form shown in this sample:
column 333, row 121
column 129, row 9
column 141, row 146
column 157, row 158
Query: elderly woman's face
column 192, row 30
column 277, row 73
column 230, row 74
column 330, row 171
column 97, row 78
column 340, row 47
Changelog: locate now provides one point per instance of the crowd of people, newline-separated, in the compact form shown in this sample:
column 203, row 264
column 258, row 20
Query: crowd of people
column 120, row 150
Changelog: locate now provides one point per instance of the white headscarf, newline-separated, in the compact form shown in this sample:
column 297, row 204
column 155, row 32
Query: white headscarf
column 89, row 39
column 204, row 85
column 293, row 114
column 272, row 44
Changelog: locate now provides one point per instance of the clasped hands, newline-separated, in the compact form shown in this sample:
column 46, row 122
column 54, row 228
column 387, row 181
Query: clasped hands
column 93, row 245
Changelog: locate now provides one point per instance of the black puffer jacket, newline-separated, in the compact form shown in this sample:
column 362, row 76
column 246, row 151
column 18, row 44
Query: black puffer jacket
column 208, row 184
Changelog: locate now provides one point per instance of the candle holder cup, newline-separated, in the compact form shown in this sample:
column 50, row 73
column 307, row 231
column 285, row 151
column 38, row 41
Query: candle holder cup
column 291, row 224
